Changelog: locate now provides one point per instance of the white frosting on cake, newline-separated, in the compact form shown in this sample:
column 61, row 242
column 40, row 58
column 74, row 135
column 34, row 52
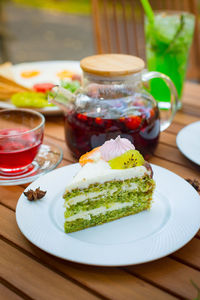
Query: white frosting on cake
column 100, row 172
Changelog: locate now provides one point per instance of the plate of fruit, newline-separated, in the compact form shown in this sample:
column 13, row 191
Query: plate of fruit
column 28, row 84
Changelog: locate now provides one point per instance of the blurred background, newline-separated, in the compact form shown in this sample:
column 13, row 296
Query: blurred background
column 34, row 30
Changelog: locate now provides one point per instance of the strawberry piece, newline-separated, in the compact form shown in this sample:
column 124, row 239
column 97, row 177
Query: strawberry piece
column 99, row 121
column 82, row 117
column 133, row 122
column 152, row 113
column 122, row 119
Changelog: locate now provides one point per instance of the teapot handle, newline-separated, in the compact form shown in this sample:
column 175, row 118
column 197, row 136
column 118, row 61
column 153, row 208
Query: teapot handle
column 167, row 109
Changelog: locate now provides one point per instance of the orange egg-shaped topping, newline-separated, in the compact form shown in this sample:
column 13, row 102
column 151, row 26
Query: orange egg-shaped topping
column 90, row 156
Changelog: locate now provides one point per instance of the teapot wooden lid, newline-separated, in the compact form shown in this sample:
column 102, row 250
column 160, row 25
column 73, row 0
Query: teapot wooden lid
column 112, row 65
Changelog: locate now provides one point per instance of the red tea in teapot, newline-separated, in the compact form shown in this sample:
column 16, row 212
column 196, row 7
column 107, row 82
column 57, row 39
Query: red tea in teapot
column 84, row 132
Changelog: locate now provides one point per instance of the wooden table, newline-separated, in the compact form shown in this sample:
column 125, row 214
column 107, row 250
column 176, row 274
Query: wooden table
column 30, row 273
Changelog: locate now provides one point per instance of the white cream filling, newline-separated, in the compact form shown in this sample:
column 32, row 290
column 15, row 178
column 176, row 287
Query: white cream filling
column 132, row 186
column 101, row 172
column 82, row 198
column 92, row 196
column 101, row 210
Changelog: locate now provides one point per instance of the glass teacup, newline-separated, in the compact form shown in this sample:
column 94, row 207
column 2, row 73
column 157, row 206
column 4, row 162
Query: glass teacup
column 21, row 135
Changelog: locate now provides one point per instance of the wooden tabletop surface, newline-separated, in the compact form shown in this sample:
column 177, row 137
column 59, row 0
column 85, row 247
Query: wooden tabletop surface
column 29, row 273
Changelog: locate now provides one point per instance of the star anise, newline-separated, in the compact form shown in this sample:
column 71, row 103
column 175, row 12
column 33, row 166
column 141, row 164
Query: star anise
column 33, row 195
column 195, row 183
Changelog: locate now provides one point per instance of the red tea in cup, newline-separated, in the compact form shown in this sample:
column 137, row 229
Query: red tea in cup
column 84, row 132
column 17, row 148
column 21, row 134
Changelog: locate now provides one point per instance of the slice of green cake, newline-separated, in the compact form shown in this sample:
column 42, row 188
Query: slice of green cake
column 102, row 192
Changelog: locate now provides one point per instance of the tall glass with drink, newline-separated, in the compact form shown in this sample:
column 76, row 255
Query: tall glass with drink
column 168, row 40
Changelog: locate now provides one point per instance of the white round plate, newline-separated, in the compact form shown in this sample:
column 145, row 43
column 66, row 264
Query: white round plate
column 171, row 222
column 48, row 73
column 188, row 142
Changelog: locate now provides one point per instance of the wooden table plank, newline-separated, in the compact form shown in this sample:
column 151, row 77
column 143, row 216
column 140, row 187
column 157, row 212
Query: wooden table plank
column 175, row 128
column 191, row 110
column 30, row 276
column 9, row 195
column 190, row 254
column 10, row 231
column 171, row 275
column 110, row 282
column 191, row 101
column 168, row 138
column 185, row 119
column 174, row 155
column 191, row 88
column 180, row 170
column 55, row 130
column 191, row 94
column 166, row 278
column 7, row 294
column 9, row 223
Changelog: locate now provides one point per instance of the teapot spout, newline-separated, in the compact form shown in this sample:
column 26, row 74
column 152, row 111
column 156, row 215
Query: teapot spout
column 61, row 97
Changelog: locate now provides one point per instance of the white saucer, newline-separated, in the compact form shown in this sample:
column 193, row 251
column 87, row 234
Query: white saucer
column 188, row 142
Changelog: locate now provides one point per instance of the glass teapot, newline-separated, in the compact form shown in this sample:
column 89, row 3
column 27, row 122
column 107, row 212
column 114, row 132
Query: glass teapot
column 114, row 100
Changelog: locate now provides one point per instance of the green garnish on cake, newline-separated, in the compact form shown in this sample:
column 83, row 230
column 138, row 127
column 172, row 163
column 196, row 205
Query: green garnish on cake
column 129, row 159
column 114, row 182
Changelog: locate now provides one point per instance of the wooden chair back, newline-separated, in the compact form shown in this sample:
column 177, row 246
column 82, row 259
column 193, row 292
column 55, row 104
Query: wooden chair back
column 4, row 56
column 119, row 27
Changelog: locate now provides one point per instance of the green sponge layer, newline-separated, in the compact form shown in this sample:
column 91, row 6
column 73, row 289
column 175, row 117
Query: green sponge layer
column 134, row 200
column 144, row 184
column 80, row 224
column 118, row 197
